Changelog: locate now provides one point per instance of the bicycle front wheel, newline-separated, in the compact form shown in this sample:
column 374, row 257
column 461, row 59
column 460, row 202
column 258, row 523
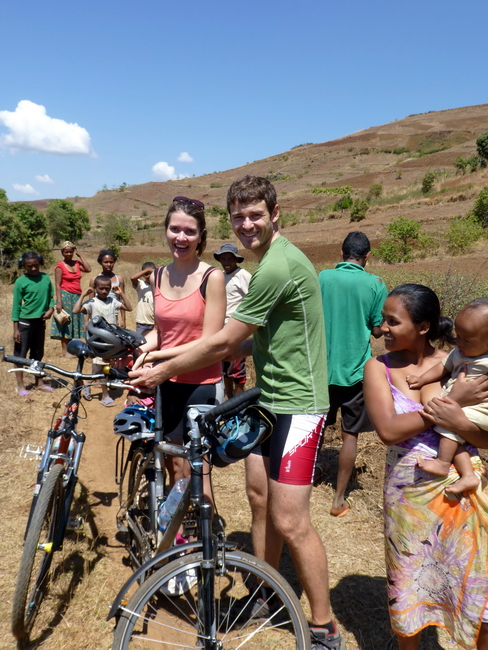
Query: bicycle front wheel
column 253, row 607
column 33, row 579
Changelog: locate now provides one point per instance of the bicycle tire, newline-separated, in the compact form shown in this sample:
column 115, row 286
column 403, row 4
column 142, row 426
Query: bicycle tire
column 143, row 509
column 32, row 580
column 154, row 619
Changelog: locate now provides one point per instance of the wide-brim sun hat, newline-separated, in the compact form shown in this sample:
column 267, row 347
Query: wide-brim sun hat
column 229, row 248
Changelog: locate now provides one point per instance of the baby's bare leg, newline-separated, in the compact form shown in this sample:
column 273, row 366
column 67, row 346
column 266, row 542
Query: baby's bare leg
column 468, row 479
column 440, row 465
column 429, row 391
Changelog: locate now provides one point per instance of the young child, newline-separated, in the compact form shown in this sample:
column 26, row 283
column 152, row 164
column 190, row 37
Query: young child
column 107, row 258
column 470, row 354
column 33, row 305
column 101, row 304
column 236, row 286
column 145, row 299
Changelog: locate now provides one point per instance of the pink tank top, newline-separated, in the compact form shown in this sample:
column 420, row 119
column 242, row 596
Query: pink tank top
column 181, row 321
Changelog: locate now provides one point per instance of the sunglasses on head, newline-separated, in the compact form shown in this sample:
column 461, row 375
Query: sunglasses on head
column 182, row 199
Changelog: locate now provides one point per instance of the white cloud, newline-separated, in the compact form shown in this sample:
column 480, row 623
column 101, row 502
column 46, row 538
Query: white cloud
column 25, row 189
column 162, row 171
column 44, row 179
column 185, row 157
column 31, row 129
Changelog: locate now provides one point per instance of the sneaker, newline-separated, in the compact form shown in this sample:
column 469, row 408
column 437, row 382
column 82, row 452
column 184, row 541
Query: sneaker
column 86, row 392
column 246, row 611
column 180, row 584
column 329, row 640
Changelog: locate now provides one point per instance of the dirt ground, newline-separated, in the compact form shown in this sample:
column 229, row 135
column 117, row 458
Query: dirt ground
column 93, row 564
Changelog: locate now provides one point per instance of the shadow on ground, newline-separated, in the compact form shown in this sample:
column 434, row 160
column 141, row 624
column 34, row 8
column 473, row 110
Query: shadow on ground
column 360, row 605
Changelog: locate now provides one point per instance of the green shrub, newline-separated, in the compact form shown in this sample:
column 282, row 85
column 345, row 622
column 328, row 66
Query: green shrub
column 64, row 222
column 223, row 228
column 375, row 191
column 117, row 230
column 461, row 164
column 398, row 246
column 214, row 185
column 332, row 191
column 22, row 227
column 428, row 182
column 462, row 233
column 482, row 148
column 358, row 210
column 474, row 163
column 480, row 208
column 288, row 219
column 344, row 203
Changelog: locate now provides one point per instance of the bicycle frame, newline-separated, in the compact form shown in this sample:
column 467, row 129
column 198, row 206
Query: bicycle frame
column 194, row 452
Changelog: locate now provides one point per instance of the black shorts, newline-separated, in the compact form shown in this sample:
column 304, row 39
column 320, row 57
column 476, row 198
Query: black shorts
column 350, row 399
column 32, row 335
column 176, row 398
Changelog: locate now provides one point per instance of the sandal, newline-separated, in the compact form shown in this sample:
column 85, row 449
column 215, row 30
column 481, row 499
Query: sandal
column 86, row 393
column 340, row 512
column 23, row 393
column 108, row 401
column 47, row 388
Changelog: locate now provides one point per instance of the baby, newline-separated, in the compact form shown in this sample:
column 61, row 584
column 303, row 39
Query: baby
column 471, row 354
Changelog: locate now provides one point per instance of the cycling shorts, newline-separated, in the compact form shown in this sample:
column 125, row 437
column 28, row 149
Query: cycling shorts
column 292, row 448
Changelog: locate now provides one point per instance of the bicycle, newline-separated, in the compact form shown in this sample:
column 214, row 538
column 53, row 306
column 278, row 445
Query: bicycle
column 56, row 481
column 213, row 596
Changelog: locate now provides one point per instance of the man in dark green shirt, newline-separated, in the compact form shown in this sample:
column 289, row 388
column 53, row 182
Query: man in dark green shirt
column 352, row 301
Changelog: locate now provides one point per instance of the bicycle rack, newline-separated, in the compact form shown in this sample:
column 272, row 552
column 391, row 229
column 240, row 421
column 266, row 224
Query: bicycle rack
column 31, row 452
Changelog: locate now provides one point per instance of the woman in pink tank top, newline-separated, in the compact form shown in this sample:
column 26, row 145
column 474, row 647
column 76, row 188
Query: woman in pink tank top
column 189, row 305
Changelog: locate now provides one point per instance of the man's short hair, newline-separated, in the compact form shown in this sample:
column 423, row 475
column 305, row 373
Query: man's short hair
column 252, row 189
column 355, row 246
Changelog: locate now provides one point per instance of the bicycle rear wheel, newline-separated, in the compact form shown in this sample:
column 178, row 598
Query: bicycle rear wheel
column 33, row 578
column 168, row 610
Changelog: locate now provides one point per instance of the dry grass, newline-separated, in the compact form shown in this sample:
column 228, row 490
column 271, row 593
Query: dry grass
column 90, row 570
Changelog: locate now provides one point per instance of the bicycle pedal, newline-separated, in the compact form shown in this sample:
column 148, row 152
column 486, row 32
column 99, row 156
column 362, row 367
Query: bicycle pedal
column 75, row 523
column 31, row 452
column 121, row 526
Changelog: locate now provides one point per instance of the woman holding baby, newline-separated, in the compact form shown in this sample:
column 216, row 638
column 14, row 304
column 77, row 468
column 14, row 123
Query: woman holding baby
column 436, row 536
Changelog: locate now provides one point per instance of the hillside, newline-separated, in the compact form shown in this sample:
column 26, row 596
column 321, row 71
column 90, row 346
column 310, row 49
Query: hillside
column 397, row 155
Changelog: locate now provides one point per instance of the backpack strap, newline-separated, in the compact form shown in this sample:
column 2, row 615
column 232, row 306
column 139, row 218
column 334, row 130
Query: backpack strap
column 203, row 285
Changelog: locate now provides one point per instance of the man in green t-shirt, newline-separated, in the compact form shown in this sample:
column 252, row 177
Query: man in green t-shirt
column 282, row 314
column 352, row 301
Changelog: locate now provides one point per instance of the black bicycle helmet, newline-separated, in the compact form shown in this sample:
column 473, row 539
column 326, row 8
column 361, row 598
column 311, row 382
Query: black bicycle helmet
column 235, row 438
column 111, row 341
column 135, row 422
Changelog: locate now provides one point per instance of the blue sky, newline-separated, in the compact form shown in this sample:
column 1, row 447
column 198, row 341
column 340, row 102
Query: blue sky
column 101, row 93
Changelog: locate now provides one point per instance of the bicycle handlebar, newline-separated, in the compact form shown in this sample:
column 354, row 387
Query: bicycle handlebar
column 116, row 375
column 233, row 405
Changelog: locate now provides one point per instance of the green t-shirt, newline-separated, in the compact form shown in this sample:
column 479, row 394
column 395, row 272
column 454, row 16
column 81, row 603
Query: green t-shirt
column 352, row 300
column 33, row 295
column 289, row 345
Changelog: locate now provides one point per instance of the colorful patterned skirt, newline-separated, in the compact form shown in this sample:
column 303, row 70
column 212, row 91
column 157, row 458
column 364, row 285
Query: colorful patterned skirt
column 436, row 549
column 74, row 328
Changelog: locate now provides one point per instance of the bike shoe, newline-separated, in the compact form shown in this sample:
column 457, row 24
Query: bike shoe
column 329, row 640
